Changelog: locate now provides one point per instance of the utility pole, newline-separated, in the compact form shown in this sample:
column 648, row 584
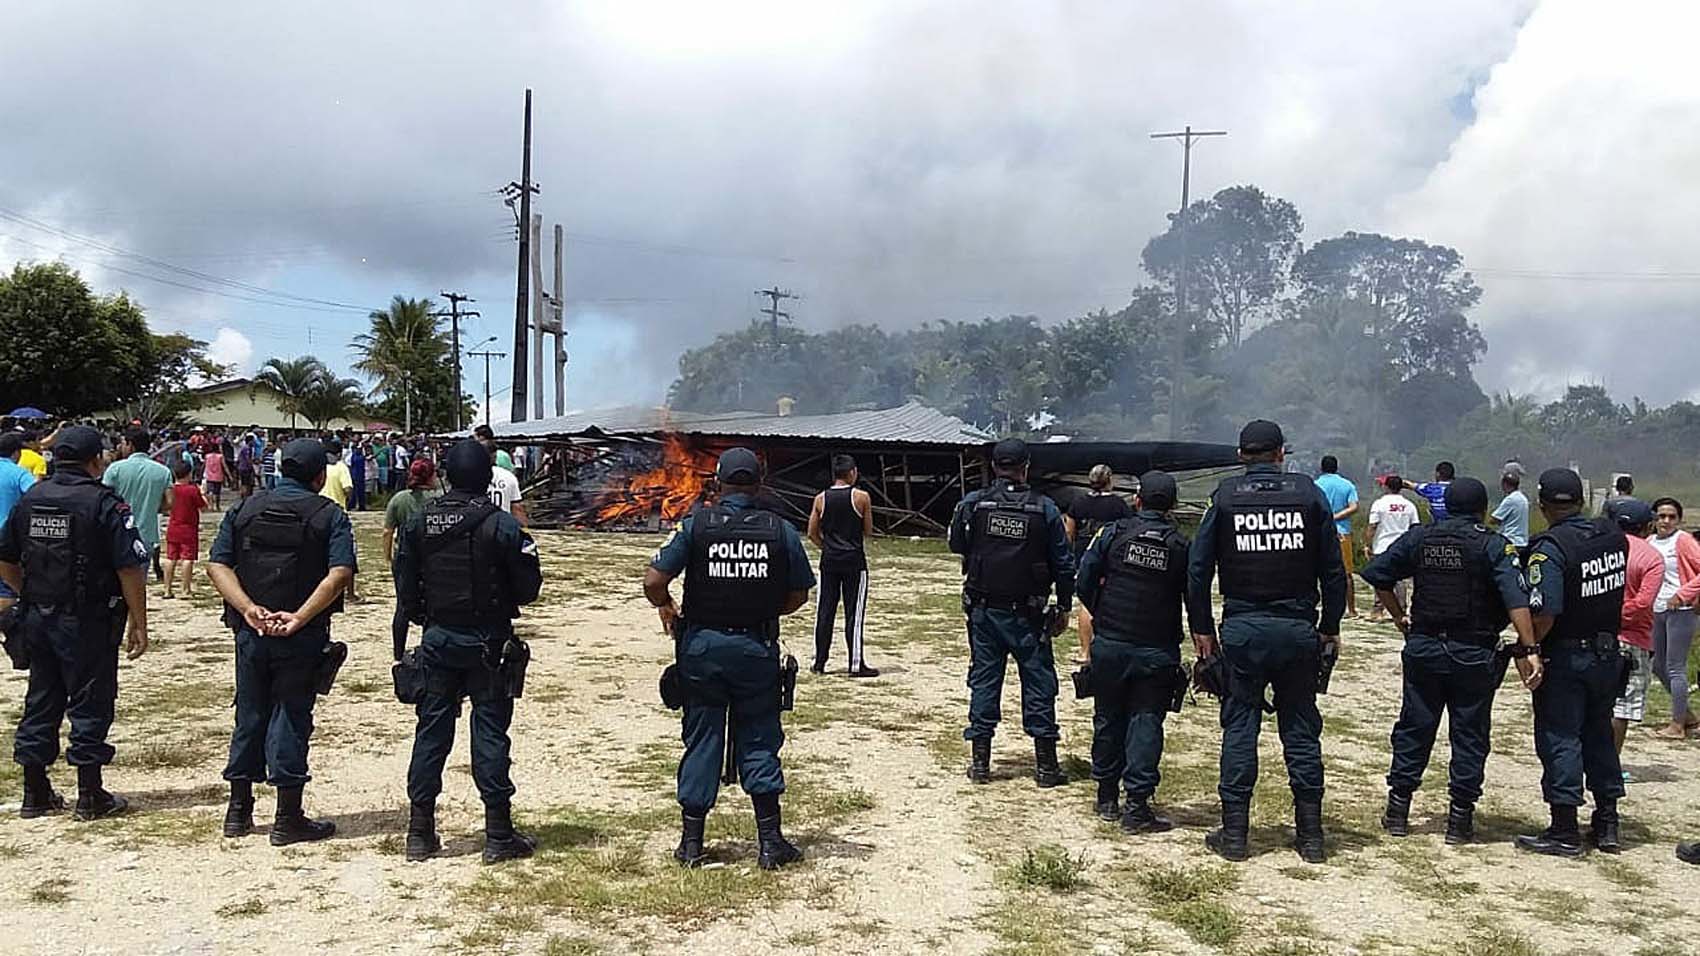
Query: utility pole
column 558, row 310
column 487, row 356
column 537, row 316
column 455, row 315
column 520, row 192
column 1177, row 348
column 772, row 312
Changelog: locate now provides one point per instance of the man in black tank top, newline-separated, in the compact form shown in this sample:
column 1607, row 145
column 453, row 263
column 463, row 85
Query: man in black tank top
column 842, row 517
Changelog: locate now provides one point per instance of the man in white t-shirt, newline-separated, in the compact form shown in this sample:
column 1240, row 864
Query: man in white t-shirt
column 504, row 493
column 1391, row 516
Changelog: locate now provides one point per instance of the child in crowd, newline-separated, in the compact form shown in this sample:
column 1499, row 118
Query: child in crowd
column 183, row 531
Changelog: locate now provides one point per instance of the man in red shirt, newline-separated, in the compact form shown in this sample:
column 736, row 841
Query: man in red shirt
column 1635, row 632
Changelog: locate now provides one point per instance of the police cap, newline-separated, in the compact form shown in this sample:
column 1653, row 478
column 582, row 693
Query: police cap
column 1631, row 514
column 1010, row 451
column 738, row 466
column 79, row 443
column 1560, row 486
column 1466, row 496
column 1157, row 490
column 469, row 466
column 1261, row 436
column 303, row 459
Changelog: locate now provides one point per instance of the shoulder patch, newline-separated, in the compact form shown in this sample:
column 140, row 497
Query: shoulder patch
column 1534, row 574
column 528, row 546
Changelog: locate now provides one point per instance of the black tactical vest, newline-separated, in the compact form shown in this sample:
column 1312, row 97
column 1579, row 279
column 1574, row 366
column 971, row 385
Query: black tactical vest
column 739, row 572
column 282, row 549
column 64, row 559
column 458, row 562
column 1265, row 524
column 1008, row 550
column 1456, row 595
column 1144, row 583
column 1596, row 562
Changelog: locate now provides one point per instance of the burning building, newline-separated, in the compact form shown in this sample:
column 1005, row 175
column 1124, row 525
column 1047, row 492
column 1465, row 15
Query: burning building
column 645, row 468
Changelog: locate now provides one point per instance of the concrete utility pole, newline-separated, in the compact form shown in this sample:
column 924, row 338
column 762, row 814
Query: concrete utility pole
column 455, row 315
column 1177, row 348
column 772, row 312
column 520, row 192
column 487, row 356
column 558, row 325
column 537, row 315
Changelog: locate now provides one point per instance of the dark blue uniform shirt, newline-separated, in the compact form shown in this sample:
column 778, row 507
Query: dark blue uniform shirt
column 1097, row 553
column 675, row 553
column 1400, row 562
column 1546, row 573
column 521, row 574
column 124, row 548
column 1061, row 555
column 341, row 545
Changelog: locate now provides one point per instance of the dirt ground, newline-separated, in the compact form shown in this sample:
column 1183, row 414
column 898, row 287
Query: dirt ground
column 904, row 855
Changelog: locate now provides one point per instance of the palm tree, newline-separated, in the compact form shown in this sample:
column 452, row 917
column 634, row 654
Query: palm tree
column 331, row 398
column 405, row 339
column 294, row 380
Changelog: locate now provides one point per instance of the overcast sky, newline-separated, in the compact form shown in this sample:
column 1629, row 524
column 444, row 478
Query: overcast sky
column 892, row 162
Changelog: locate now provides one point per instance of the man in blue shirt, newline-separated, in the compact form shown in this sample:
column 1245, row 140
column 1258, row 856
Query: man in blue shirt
column 1512, row 515
column 144, row 484
column 1342, row 496
column 1434, row 492
column 15, row 479
column 744, row 568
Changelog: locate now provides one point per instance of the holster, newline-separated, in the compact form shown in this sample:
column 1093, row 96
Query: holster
column 1177, row 693
column 1327, row 657
column 409, row 677
column 1082, row 679
column 1625, row 670
column 1210, row 675
column 672, row 687
column 510, row 675
column 14, row 643
column 331, row 660
column 787, row 682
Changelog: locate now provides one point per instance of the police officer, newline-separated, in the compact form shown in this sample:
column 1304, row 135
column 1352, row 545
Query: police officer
column 1272, row 535
column 1468, row 586
column 1133, row 581
column 1014, row 550
column 744, row 567
column 70, row 549
column 463, row 567
column 281, row 561
column 1576, row 572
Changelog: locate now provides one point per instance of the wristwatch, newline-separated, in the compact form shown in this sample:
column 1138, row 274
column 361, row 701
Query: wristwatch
column 1520, row 650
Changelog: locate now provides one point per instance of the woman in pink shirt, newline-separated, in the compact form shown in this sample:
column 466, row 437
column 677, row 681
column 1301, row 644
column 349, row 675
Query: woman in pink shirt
column 1642, row 577
column 1673, row 614
column 213, row 471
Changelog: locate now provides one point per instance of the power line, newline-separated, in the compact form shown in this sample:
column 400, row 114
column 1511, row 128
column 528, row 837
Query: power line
column 1177, row 348
column 772, row 312
column 455, row 315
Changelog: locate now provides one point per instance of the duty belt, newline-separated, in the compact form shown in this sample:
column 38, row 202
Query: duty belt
column 1476, row 638
column 1602, row 644
column 1030, row 605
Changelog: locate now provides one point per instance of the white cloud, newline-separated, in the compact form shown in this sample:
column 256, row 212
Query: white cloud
column 230, row 347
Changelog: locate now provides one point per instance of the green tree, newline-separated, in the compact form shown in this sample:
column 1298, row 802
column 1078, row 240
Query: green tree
column 294, row 380
column 332, row 398
column 67, row 350
column 1241, row 244
column 1110, row 369
column 179, row 361
column 405, row 353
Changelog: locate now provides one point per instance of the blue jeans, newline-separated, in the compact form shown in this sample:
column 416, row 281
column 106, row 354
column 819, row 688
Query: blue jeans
column 1573, row 738
column 736, row 672
column 1458, row 679
column 73, row 672
column 274, row 706
column 1129, row 702
column 994, row 636
column 1264, row 652
column 455, row 660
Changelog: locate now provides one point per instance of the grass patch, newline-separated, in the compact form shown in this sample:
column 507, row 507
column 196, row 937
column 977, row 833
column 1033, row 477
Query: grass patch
column 798, row 939
column 165, row 755
column 1419, row 874
column 570, row 946
column 154, row 828
column 1050, row 867
column 1026, row 925
column 51, row 892
column 10, row 852
column 1288, row 947
column 1498, row 942
column 1621, row 873
column 1207, row 922
column 1187, row 898
column 1300, row 873
column 247, row 909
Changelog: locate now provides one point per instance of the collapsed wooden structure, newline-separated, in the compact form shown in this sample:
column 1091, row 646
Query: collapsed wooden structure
column 642, row 468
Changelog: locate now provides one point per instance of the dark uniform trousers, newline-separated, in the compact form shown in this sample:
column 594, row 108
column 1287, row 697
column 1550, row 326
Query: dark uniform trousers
column 455, row 662
column 1457, row 678
column 994, row 636
column 1573, row 738
column 1266, row 651
column 738, row 670
column 274, row 706
column 73, row 671
column 1128, row 707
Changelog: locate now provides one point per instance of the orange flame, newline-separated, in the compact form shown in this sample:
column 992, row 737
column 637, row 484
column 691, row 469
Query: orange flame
column 669, row 490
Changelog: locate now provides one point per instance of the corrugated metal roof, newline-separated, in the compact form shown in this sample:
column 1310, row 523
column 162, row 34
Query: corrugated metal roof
column 912, row 423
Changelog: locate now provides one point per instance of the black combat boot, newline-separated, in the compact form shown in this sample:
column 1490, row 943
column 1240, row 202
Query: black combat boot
column 291, row 824
column 1460, row 823
column 1604, row 827
column 774, row 850
column 1140, row 818
column 422, row 840
column 93, row 802
column 39, row 798
column 1562, row 838
column 239, row 812
column 1229, row 840
column 1108, row 806
column 1396, row 819
column 690, row 853
column 1307, row 831
column 1689, row 852
column 980, row 762
column 501, row 840
column 1046, row 773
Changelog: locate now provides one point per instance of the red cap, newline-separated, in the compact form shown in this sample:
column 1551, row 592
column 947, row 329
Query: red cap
column 421, row 473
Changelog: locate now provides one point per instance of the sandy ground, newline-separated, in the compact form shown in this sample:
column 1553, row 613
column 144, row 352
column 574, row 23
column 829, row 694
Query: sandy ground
column 904, row 854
